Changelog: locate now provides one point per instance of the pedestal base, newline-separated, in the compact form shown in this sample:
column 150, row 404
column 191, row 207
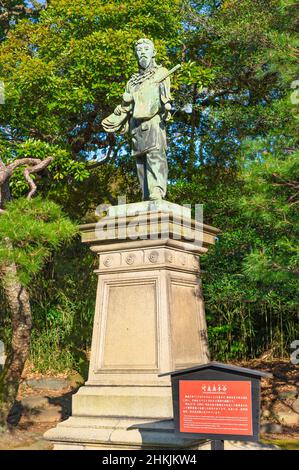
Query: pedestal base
column 139, row 402
column 149, row 320
column 86, row 433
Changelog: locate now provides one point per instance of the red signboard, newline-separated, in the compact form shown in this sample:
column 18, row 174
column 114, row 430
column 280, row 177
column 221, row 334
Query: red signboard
column 215, row 407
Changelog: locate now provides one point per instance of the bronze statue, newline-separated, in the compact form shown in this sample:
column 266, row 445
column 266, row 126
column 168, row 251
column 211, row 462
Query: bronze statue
column 144, row 111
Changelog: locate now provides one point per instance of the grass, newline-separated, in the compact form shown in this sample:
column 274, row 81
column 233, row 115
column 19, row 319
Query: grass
column 284, row 444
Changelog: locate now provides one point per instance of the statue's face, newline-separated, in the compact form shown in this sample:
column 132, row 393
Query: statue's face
column 145, row 53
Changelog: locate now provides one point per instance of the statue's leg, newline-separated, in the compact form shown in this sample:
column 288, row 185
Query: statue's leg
column 157, row 174
column 141, row 173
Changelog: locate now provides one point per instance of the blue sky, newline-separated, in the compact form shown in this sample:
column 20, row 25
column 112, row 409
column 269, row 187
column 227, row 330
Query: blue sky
column 42, row 2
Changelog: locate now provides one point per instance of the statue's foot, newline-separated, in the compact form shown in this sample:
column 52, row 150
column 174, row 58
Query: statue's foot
column 156, row 199
column 156, row 195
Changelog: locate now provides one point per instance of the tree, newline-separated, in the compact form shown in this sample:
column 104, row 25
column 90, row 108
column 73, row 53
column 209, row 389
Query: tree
column 63, row 74
column 13, row 10
column 63, row 71
column 240, row 127
column 29, row 230
column 32, row 165
column 66, row 70
column 271, row 204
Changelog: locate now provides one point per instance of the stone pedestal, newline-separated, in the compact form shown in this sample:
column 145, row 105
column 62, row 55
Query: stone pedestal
column 149, row 319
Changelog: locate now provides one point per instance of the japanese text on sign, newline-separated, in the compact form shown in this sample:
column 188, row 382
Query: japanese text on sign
column 215, row 407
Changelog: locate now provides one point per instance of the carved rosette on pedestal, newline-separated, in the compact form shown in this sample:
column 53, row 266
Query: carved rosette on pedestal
column 149, row 319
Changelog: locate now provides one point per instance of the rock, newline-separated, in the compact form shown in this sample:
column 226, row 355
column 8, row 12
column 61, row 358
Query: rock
column 47, row 383
column 285, row 415
column 295, row 405
column 270, row 428
column 289, row 394
column 289, row 419
column 47, row 416
column 31, row 403
column 266, row 414
column 15, row 414
column 75, row 379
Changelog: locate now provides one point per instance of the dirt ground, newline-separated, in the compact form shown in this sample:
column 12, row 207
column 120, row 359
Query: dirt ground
column 274, row 398
column 28, row 426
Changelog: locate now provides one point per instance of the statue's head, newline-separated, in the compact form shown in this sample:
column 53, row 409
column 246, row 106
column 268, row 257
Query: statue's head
column 145, row 52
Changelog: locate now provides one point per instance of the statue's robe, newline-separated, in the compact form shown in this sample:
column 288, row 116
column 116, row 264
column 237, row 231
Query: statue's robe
column 148, row 116
column 143, row 113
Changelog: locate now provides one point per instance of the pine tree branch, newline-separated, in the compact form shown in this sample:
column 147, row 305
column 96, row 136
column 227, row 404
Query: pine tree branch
column 35, row 169
column 32, row 165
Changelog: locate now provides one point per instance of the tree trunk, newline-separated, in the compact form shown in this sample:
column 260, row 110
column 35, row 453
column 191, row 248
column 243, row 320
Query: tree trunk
column 17, row 298
column 4, row 186
column 16, row 295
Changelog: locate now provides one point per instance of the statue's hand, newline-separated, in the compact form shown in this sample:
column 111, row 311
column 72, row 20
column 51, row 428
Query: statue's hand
column 128, row 98
column 118, row 110
column 167, row 106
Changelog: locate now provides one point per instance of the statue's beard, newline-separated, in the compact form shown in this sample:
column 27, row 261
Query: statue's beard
column 145, row 62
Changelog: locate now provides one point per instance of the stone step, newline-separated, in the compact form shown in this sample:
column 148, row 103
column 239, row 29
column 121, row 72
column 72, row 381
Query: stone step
column 34, row 402
column 50, row 383
column 47, row 415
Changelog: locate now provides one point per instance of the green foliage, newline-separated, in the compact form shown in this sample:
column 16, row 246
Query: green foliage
column 272, row 204
column 63, row 74
column 12, row 11
column 62, row 316
column 251, row 277
column 235, row 152
column 233, row 140
column 66, row 71
column 29, row 231
column 62, row 170
column 57, row 329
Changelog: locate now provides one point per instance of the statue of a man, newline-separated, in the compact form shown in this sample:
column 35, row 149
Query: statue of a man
column 144, row 112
